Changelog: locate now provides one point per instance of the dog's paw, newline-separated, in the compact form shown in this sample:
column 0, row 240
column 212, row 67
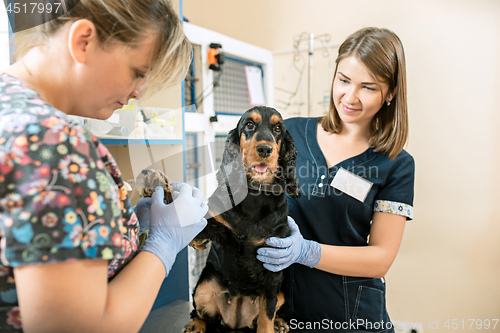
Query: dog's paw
column 195, row 326
column 280, row 326
column 152, row 179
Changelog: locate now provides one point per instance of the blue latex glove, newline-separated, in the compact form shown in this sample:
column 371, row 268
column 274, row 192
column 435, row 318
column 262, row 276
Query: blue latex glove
column 166, row 236
column 142, row 209
column 197, row 193
column 286, row 251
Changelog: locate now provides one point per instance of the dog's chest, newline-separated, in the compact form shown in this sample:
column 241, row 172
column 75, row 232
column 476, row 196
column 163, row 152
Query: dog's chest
column 254, row 229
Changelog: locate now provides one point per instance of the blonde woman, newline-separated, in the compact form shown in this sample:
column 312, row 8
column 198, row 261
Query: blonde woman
column 69, row 255
column 357, row 193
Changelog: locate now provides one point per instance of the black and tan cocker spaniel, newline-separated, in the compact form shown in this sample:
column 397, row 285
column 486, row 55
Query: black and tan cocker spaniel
column 249, row 205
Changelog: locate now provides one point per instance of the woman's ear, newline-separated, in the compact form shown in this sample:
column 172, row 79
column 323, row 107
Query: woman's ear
column 391, row 94
column 82, row 38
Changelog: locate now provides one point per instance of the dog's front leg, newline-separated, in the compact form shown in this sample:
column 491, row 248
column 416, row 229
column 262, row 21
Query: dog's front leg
column 267, row 312
column 217, row 230
column 201, row 240
column 267, row 320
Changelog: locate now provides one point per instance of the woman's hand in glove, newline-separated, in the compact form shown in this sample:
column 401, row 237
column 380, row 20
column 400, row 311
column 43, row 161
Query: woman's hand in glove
column 286, row 251
column 142, row 209
column 143, row 212
column 173, row 226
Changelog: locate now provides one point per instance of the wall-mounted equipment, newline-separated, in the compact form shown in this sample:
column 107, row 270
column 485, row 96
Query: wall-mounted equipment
column 215, row 57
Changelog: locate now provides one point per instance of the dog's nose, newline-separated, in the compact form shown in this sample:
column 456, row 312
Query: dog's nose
column 264, row 150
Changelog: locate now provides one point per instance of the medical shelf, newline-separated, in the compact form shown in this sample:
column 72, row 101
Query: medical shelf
column 120, row 141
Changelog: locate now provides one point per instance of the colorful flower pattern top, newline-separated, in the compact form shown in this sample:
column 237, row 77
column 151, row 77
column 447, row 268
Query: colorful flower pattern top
column 62, row 197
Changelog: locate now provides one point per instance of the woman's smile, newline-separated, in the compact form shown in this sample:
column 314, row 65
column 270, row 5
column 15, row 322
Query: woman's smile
column 349, row 110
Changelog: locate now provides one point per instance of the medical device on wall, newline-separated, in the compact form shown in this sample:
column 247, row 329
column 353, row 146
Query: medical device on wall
column 215, row 60
column 215, row 57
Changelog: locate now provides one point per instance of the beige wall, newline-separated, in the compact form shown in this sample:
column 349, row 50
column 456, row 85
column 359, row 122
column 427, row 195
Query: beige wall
column 449, row 263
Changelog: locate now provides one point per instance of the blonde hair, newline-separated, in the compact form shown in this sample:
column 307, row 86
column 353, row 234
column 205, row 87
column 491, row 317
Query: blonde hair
column 382, row 53
column 127, row 22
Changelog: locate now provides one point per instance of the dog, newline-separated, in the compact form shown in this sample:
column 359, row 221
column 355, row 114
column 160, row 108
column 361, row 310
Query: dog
column 234, row 290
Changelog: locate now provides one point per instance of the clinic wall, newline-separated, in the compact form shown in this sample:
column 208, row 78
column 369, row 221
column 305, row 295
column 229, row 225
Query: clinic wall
column 447, row 267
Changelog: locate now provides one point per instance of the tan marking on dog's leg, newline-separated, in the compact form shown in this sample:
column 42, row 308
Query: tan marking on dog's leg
column 281, row 300
column 219, row 219
column 264, row 324
column 280, row 326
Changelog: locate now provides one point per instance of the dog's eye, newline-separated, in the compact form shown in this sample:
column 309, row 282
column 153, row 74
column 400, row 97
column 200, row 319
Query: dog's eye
column 277, row 129
column 250, row 125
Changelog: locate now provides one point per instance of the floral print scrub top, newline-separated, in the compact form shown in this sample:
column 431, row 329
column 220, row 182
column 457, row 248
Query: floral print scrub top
column 62, row 197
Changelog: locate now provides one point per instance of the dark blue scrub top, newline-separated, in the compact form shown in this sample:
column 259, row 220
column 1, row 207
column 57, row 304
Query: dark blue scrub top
column 329, row 216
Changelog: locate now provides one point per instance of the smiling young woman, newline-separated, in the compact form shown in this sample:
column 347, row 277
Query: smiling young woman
column 357, row 192
column 378, row 55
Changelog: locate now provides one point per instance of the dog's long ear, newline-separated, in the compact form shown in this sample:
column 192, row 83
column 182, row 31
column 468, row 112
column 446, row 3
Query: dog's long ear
column 288, row 154
column 232, row 146
column 231, row 175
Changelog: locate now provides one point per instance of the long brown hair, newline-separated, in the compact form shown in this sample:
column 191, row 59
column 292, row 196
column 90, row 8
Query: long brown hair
column 382, row 53
column 126, row 22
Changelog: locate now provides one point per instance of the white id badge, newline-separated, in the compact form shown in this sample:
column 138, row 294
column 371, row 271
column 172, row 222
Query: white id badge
column 351, row 184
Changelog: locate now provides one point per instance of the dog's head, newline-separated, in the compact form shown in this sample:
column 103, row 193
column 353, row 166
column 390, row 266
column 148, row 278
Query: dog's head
column 267, row 149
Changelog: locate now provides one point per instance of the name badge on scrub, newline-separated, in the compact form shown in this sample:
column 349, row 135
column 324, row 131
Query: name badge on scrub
column 351, row 184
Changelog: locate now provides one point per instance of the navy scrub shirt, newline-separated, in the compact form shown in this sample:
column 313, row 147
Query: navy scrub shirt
column 329, row 216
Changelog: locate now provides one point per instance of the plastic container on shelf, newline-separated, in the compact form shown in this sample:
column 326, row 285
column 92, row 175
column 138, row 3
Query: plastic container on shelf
column 134, row 122
column 139, row 126
column 163, row 123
